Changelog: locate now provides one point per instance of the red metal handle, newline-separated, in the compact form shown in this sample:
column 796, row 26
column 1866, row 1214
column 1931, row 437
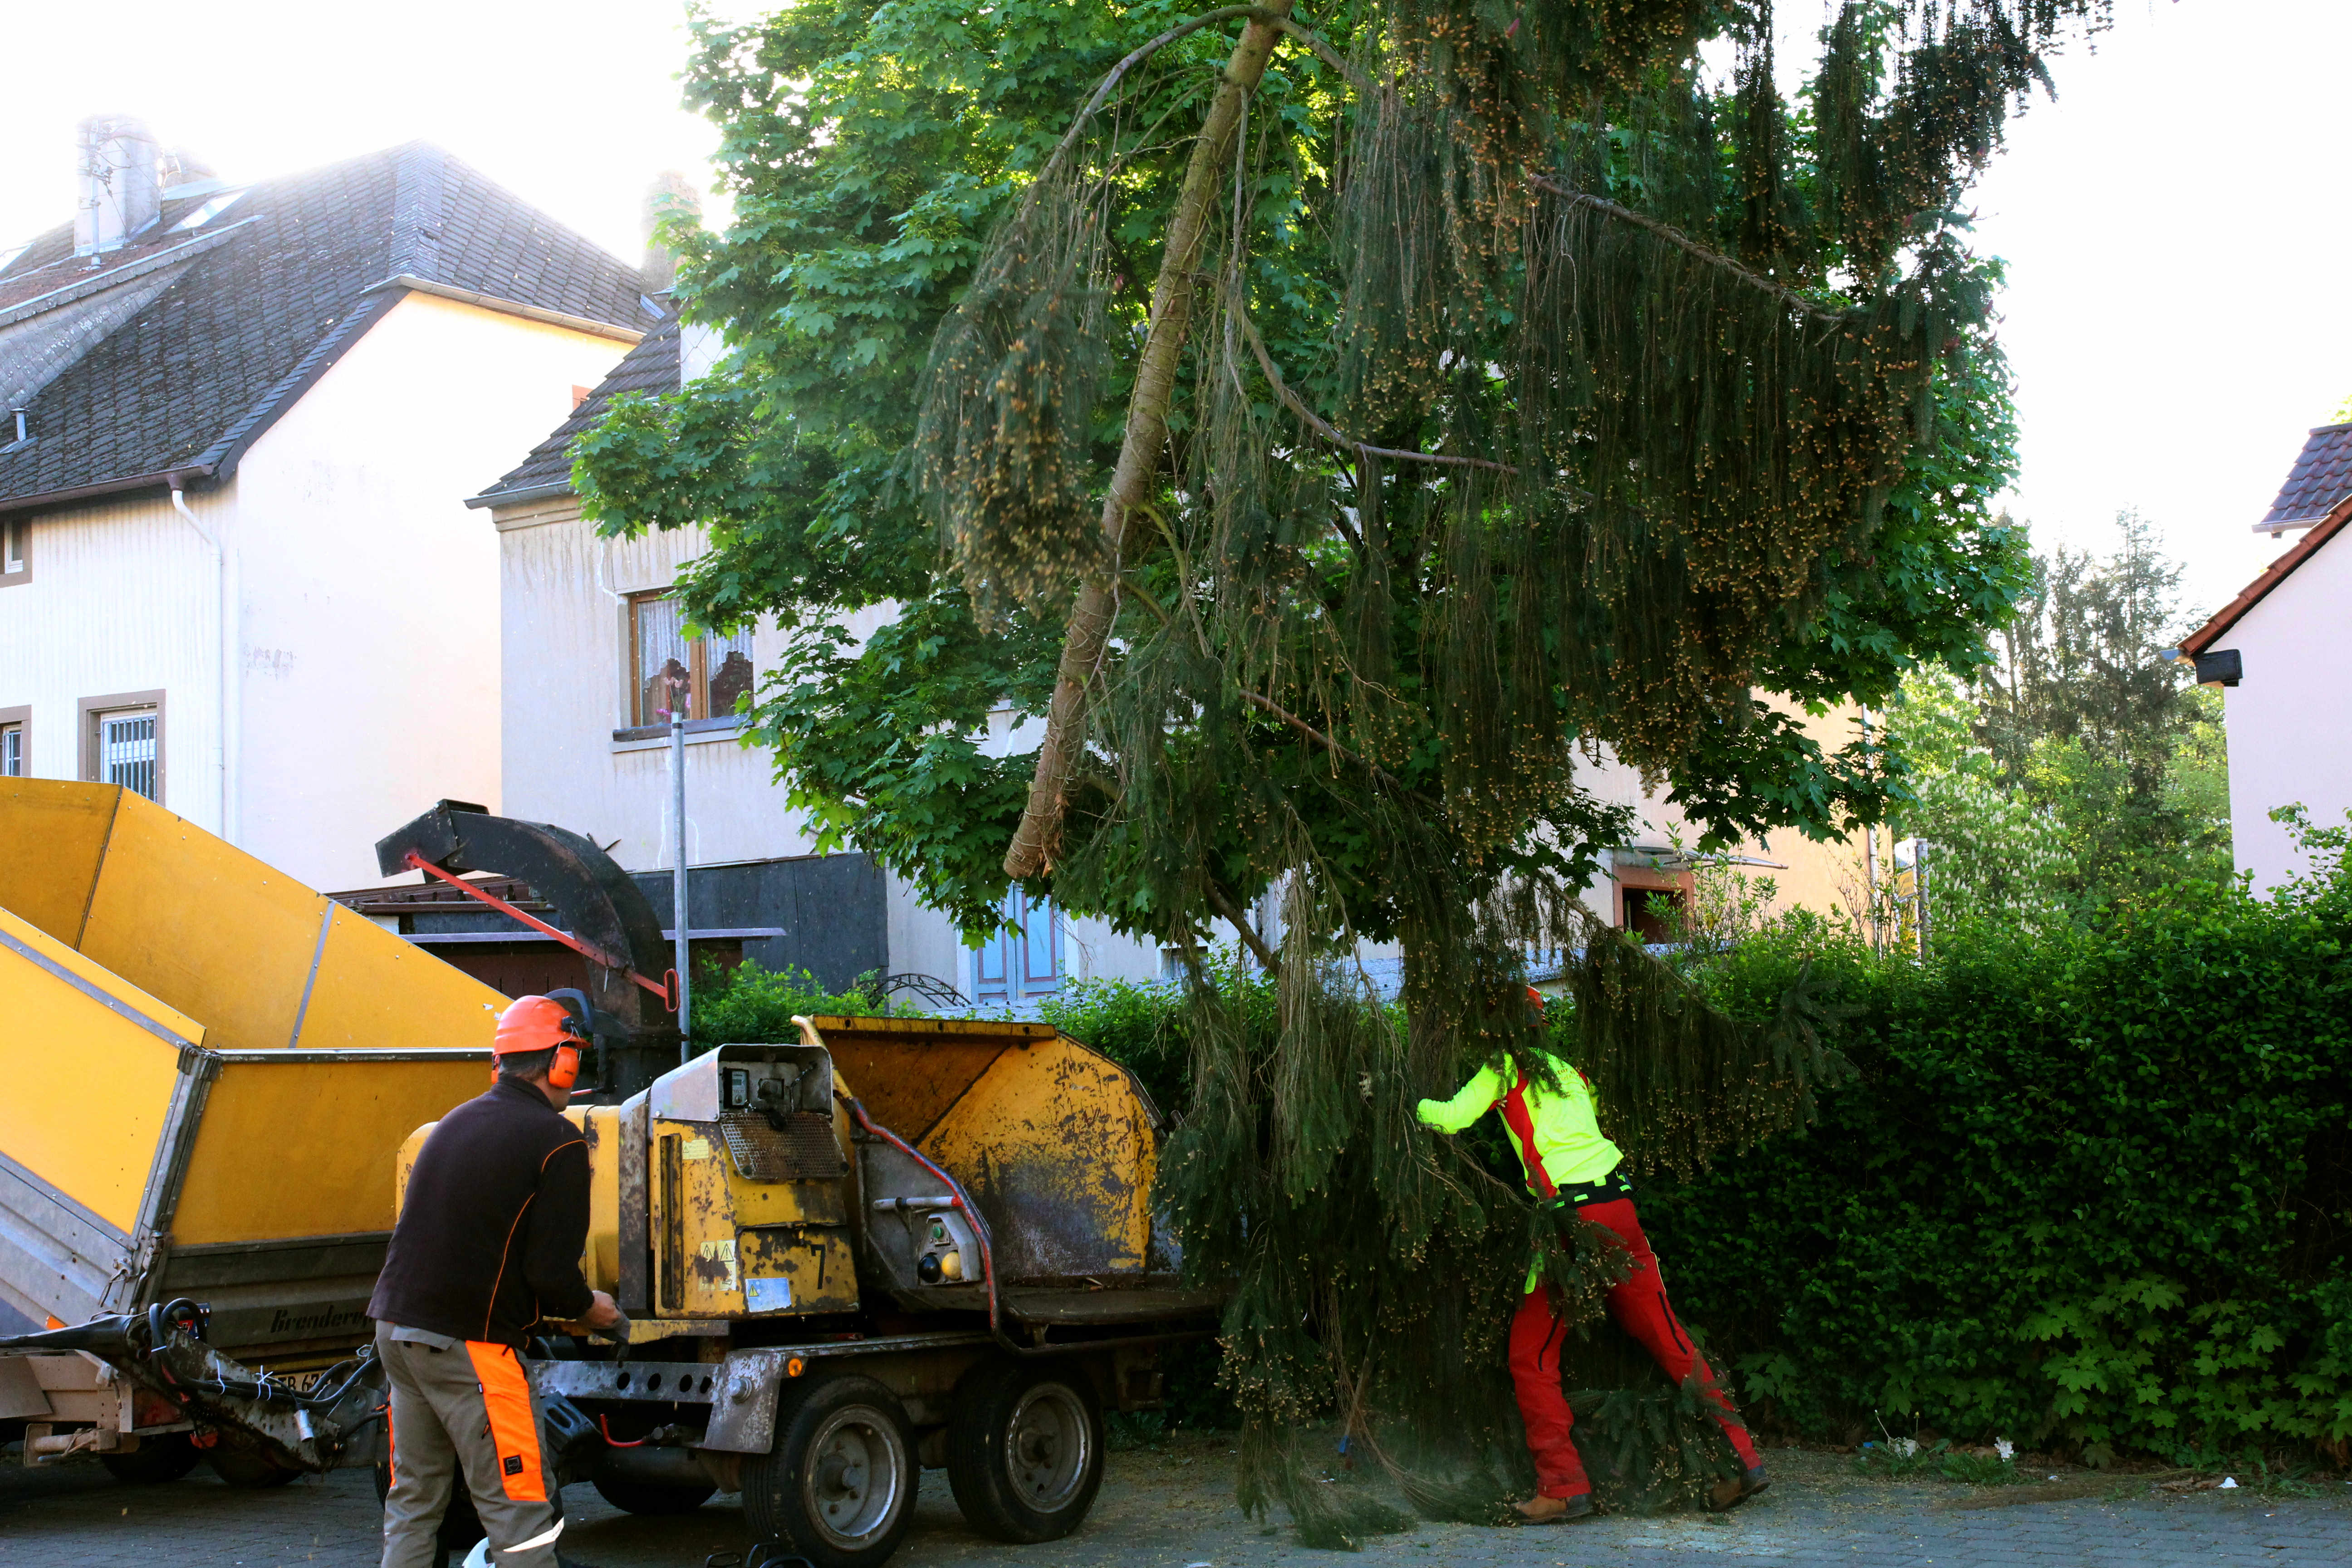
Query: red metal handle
column 589, row 951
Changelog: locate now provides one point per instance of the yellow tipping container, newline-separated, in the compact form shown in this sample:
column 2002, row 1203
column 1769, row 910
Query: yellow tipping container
column 210, row 1069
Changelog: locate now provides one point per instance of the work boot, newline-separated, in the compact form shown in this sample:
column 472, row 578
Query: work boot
column 1556, row 1510
column 1725, row 1496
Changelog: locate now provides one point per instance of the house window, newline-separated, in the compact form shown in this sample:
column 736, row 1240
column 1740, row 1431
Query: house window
column 710, row 672
column 1654, row 914
column 126, row 751
column 1023, row 964
column 15, row 550
column 122, row 742
column 13, row 721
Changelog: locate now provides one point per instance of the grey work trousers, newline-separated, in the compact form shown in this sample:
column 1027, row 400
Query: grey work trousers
column 466, row 1410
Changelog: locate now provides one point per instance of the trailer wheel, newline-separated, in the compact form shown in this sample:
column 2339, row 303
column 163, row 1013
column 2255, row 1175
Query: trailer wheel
column 652, row 1498
column 1025, row 1450
column 154, row 1461
column 248, row 1470
column 839, row 1483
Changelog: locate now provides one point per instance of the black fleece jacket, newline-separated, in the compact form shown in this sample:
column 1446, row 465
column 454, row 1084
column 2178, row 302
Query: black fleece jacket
column 490, row 1232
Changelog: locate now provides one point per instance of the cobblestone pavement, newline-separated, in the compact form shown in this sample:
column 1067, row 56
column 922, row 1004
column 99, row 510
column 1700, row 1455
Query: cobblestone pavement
column 1175, row 1509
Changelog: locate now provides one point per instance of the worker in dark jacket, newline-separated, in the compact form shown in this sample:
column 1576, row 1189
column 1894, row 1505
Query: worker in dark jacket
column 488, row 1246
column 1571, row 1170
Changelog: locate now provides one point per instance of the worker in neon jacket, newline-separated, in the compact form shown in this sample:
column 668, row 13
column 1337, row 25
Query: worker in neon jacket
column 1570, row 1166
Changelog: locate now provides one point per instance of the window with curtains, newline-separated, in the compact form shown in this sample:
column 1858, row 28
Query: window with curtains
column 666, row 666
column 1020, row 966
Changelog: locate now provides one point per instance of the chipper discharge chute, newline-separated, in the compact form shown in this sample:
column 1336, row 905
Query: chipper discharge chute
column 896, row 1243
column 210, row 1070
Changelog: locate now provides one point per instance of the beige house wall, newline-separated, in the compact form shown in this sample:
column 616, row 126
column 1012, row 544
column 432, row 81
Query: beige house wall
column 1822, row 876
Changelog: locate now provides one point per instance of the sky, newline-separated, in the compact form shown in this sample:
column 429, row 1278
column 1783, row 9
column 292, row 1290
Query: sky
column 2173, row 223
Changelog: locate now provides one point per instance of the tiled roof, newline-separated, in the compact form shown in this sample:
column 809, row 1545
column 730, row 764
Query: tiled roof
column 651, row 368
column 2202, row 640
column 172, row 355
column 2322, row 476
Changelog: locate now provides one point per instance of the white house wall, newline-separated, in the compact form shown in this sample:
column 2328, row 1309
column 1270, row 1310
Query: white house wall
column 2290, row 720
column 122, row 599
column 370, row 595
column 567, row 690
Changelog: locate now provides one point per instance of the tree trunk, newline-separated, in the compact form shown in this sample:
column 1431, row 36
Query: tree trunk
column 1038, row 839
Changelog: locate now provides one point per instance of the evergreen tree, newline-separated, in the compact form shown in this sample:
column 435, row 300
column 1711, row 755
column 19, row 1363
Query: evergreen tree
column 2085, row 719
column 1332, row 433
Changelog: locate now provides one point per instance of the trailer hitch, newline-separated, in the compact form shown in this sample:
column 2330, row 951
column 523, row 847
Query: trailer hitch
column 162, row 1350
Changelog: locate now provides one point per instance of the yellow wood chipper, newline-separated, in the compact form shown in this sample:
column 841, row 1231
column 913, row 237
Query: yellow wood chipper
column 889, row 1246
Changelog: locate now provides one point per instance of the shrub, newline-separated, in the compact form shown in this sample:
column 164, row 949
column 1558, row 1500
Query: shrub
column 2091, row 1188
column 755, row 1006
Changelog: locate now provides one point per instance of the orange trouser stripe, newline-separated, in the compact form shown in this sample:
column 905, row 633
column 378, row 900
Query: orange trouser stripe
column 514, row 1424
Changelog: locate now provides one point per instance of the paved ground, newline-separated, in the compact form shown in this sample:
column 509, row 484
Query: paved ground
column 1174, row 1509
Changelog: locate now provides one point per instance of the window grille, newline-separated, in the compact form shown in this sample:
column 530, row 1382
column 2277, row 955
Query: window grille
column 12, row 751
column 126, row 751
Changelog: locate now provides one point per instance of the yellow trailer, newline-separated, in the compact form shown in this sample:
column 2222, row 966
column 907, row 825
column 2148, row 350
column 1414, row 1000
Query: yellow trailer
column 210, row 1069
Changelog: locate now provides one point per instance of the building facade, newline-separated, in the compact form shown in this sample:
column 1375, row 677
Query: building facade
column 237, row 576
column 2278, row 651
column 593, row 657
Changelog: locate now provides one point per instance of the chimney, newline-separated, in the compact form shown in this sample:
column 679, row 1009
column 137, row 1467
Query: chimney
column 121, row 169
column 671, row 195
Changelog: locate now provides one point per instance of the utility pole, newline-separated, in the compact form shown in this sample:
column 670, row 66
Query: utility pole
column 682, row 954
column 1919, row 877
column 1869, row 861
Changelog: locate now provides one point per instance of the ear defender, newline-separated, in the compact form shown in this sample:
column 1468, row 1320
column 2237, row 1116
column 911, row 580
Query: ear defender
column 564, row 1070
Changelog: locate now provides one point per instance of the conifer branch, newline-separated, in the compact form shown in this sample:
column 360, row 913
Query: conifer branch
column 1330, row 432
column 1318, row 736
column 1328, row 55
column 1685, row 244
column 1232, row 916
column 1119, row 73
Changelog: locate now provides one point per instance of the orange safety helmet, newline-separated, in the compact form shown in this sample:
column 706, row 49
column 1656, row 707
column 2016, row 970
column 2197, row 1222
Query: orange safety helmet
column 538, row 1024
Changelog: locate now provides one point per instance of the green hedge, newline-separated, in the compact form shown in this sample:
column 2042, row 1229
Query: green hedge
column 2086, row 1189
column 2090, row 1189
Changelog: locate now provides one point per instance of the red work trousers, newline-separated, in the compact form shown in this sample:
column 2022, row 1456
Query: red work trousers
column 1640, row 1307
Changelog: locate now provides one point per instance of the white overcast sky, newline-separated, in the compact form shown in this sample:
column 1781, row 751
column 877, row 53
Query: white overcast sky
column 2174, row 224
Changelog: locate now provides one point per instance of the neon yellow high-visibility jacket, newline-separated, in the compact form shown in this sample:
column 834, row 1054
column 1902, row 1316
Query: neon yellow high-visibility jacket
column 1555, row 1131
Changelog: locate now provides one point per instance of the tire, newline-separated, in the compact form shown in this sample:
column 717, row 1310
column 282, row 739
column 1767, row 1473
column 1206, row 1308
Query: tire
column 1025, row 1450
column 154, row 1461
column 460, row 1525
column 839, row 1484
column 652, row 1498
column 249, row 1470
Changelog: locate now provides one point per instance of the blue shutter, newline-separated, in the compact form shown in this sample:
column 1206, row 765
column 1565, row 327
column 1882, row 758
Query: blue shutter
column 1041, row 947
column 990, row 973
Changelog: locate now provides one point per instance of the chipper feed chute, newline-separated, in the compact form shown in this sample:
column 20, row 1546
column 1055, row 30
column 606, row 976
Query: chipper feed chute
column 210, row 1070
column 1054, row 1141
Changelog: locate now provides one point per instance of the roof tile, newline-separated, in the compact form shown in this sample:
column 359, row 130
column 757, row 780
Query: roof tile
column 2321, row 477
column 213, row 357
